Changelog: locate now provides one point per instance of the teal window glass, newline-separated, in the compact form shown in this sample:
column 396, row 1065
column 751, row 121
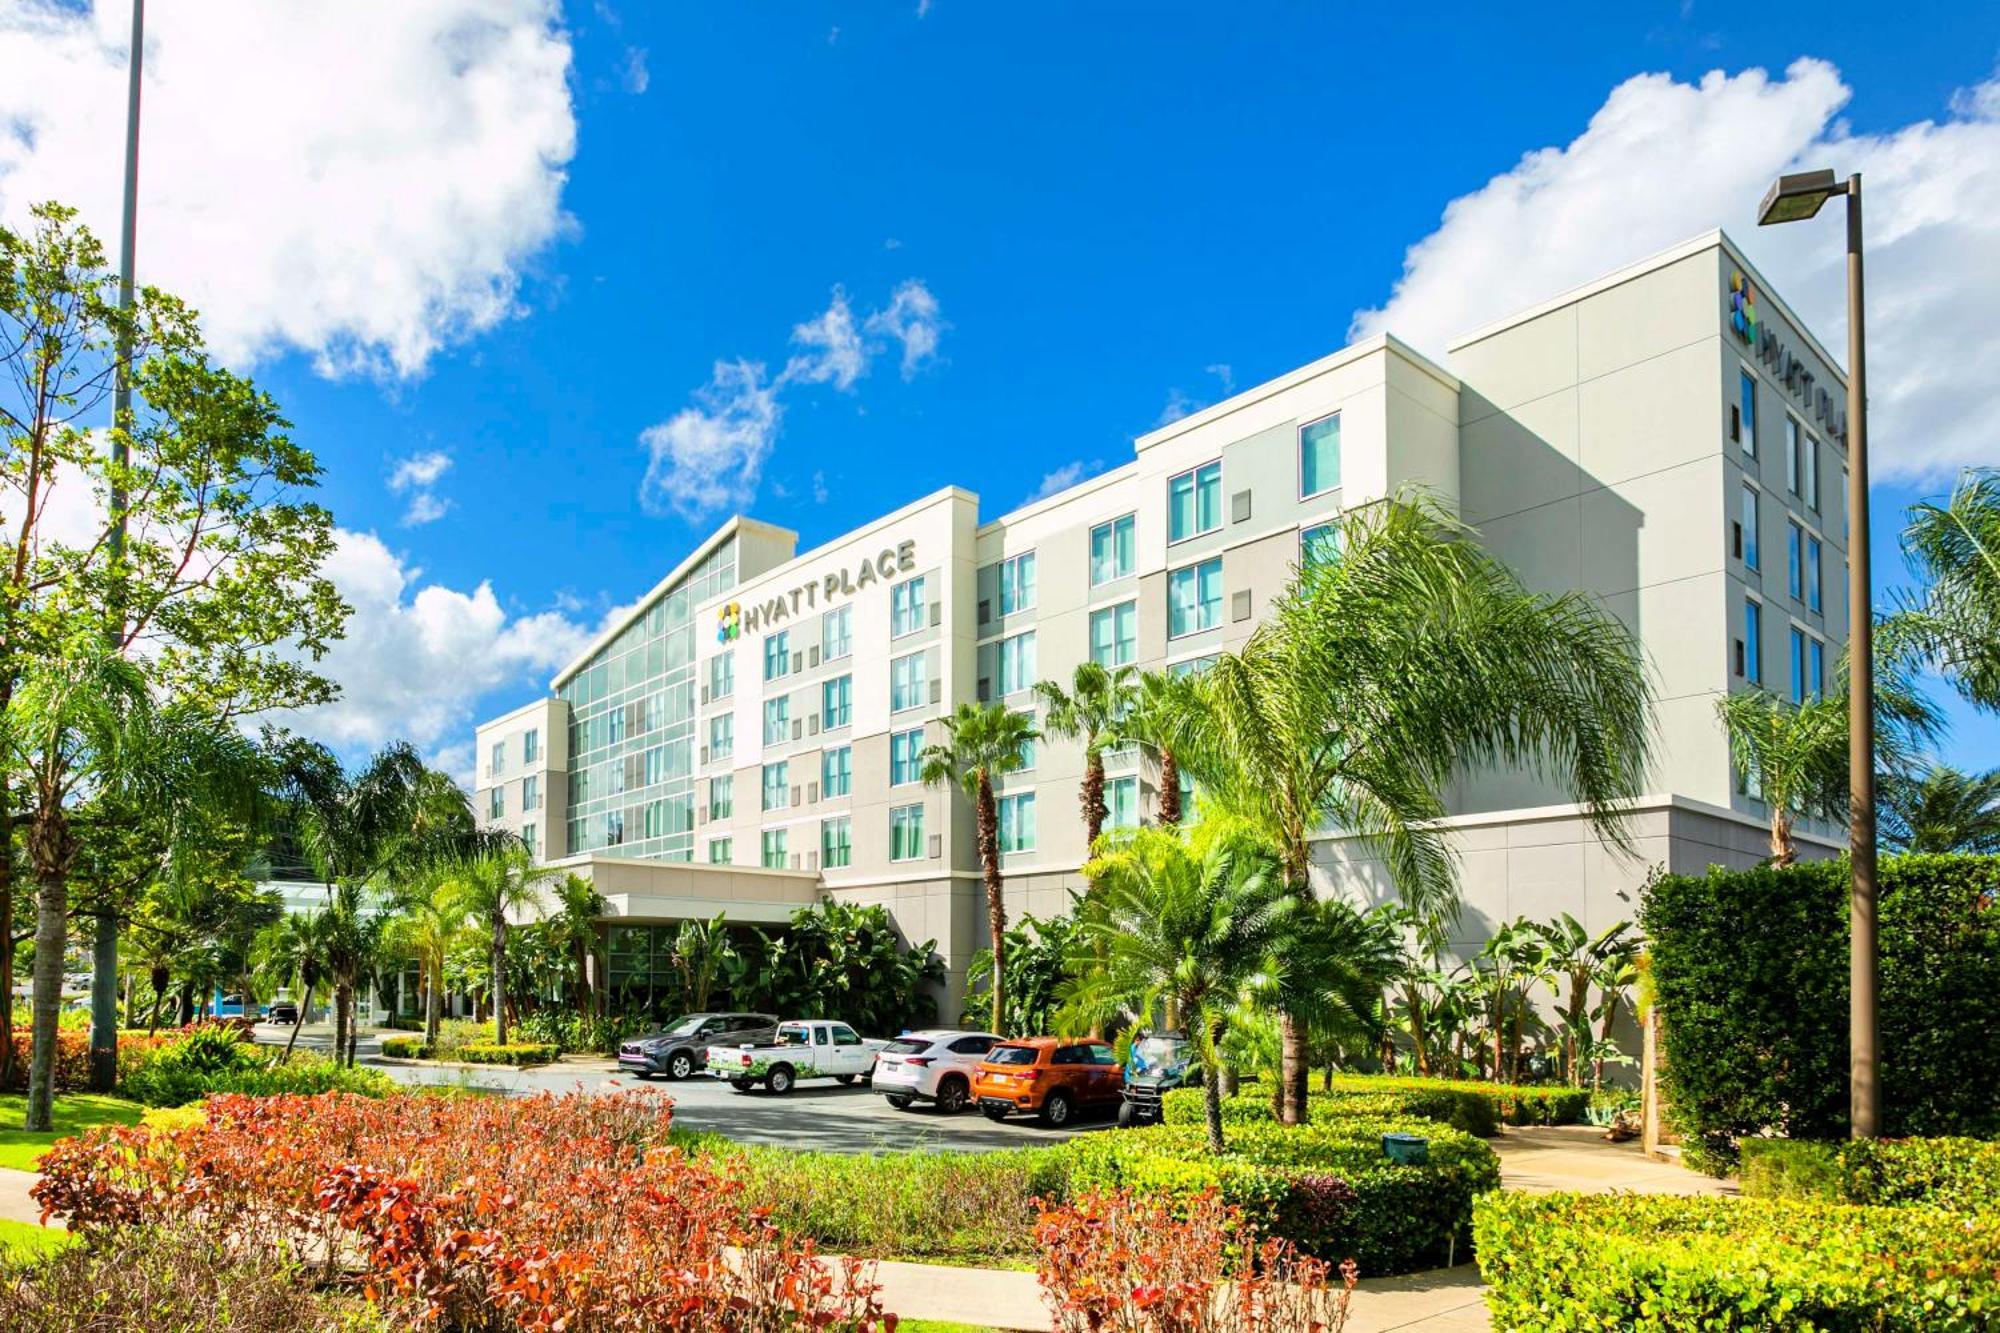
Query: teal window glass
column 1319, row 456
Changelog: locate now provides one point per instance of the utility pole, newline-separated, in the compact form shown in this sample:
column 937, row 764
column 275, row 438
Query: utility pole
column 104, row 947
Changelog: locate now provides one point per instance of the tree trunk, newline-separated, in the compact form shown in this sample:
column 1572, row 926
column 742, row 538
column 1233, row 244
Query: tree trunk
column 1211, row 1089
column 1610, row 1018
column 1170, row 790
column 1419, row 1038
column 104, row 1005
column 433, row 1000
column 500, row 978
column 305, row 1004
column 51, row 936
column 343, row 1004
column 1293, row 1071
column 1575, row 1021
column 996, row 901
column 6, row 930
column 1091, row 797
column 1499, row 1032
column 1783, row 853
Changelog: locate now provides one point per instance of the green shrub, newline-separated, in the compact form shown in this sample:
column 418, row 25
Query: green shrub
column 201, row 1063
column 403, row 1048
column 513, row 1053
column 1957, row 1174
column 1477, row 1108
column 1562, row 1262
column 455, row 1034
column 1750, row 969
column 1325, row 1186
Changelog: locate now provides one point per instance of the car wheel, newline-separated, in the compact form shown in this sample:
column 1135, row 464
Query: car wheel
column 951, row 1096
column 1056, row 1110
column 643, row 1075
column 994, row 1113
column 680, row 1066
column 844, row 1080
column 1128, row 1115
column 901, row 1103
column 780, row 1080
column 740, row 1084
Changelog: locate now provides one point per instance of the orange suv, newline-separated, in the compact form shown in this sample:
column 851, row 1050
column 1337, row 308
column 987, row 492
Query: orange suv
column 1054, row 1076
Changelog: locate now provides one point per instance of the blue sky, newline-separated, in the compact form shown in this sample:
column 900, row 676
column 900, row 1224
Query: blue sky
column 1119, row 211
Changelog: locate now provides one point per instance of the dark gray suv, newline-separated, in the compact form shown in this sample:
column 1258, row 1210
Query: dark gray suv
column 681, row 1047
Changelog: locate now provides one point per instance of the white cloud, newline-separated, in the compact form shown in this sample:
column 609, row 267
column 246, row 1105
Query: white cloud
column 418, row 656
column 1064, row 477
column 1178, row 405
column 1662, row 160
column 709, row 457
column 425, row 507
column 362, row 181
column 417, row 475
column 820, row 492
column 635, row 78
column 1225, row 373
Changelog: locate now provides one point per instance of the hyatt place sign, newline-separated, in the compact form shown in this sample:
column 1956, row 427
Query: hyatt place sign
column 736, row 618
column 1779, row 359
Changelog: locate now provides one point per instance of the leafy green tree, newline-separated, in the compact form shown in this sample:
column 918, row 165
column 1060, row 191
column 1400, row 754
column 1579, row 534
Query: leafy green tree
column 1088, row 710
column 1390, row 667
column 983, row 742
column 1940, row 810
column 493, row 883
column 1039, row 975
column 1160, row 704
column 573, row 931
column 1954, row 548
column 428, row 912
column 294, row 953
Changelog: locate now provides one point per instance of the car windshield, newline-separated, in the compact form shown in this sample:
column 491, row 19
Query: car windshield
column 1011, row 1055
column 683, row 1027
column 1161, row 1055
column 794, row 1035
column 907, row 1046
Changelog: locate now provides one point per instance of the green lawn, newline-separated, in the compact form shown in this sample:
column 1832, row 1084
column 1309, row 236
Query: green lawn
column 21, row 1240
column 74, row 1113
column 939, row 1326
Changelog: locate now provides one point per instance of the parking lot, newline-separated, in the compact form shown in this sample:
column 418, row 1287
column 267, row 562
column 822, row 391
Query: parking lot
column 814, row 1116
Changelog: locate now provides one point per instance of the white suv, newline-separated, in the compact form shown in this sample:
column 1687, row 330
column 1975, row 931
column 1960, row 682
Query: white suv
column 936, row 1065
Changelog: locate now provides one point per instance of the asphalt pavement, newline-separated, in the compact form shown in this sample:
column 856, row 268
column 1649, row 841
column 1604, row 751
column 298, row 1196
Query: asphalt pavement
column 816, row 1116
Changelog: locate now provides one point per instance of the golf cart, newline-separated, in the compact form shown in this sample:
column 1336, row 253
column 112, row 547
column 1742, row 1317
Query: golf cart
column 1159, row 1063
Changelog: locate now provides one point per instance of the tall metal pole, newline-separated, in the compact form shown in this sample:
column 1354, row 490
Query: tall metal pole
column 1865, row 1087
column 104, row 946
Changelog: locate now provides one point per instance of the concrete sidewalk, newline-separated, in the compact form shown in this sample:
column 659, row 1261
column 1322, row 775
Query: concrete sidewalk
column 1541, row 1159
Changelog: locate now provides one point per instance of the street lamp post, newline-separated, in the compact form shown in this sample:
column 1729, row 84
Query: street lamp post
column 1793, row 199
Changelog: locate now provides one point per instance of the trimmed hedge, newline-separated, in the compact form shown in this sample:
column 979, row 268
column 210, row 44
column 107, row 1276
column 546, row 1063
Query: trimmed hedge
column 1957, row 1174
column 1325, row 1186
column 403, row 1048
column 1750, row 969
column 1511, row 1103
column 1561, row 1262
column 513, row 1053
column 1477, row 1108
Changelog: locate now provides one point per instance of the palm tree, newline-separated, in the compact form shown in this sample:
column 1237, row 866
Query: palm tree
column 493, row 883
column 1182, row 925
column 429, row 914
column 700, row 950
column 1954, row 548
column 1388, row 669
column 1089, row 710
column 1941, row 810
column 294, row 952
column 1158, row 711
column 983, row 742
column 573, row 930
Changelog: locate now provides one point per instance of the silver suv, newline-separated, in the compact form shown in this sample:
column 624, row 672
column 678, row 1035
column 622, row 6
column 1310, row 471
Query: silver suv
column 681, row 1047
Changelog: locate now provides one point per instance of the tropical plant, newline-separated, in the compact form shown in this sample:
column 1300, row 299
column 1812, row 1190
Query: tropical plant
column 492, row 884
column 1160, row 704
column 699, row 950
column 1386, row 671
column 983, row 742
column 573, row 931
column 1954, row 548
column 1088, row 710
column 427, row 914
column 1329, row 978
column 1038, row 974
column 1940, row 810
column 1514, row 961
column 1576, row 961
column 295, row 951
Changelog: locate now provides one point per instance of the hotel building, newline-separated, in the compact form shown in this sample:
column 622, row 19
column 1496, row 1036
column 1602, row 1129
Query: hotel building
column 1669, row 438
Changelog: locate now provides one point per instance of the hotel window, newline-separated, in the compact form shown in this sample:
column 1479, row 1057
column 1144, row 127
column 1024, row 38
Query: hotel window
column 774, row 849
column 1810, row 458
column 1816, row 667
column 906, row 607
column 1746, row 389
column 1318, row 545
column 496, row 802
column 1319, row 457
column 1112, row 554
column 654, row 819
column 1796, row 641
column 1121, row 803
column 1750, row 658
column 1194, row 598
column 1746, row 528
column 906, row 833
column 722, row 676
column 836, row 771
column 1794, row 465
column 1027, row 750
column 720, row 850
column 531, row 745
column 614, row 725
column 1194, row 502
column 836, row 842
column 906, row 750
column 777, row 786
column 1017, row 663
column 498, row 759
column 906, row 683
column 721, row 797
column 836, row 634
column 1017, row 822
column 1114, row 635
column 614, row 828
column 531, row 792
column 836, row 702
column 654, row 766
column 1795, row 561
column 1812, row 574
column 722, row 736
column 528, row 840
column 777, row 720
column 1017, row 583
column 777, row 655
column 1194, row 666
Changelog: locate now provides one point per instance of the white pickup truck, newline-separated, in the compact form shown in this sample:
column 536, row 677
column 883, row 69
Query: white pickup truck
column 804, row 1048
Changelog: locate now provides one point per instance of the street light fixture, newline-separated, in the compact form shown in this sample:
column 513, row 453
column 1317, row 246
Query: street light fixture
column 1793, row 199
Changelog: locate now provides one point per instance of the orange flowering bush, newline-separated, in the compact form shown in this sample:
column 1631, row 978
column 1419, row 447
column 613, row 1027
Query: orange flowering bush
column 1120, row 1262
column 542, row 1213
column 72, row 1064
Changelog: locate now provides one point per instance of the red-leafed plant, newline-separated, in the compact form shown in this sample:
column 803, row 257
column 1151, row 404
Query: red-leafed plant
column 543, row 1213
column 1119, row 1262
